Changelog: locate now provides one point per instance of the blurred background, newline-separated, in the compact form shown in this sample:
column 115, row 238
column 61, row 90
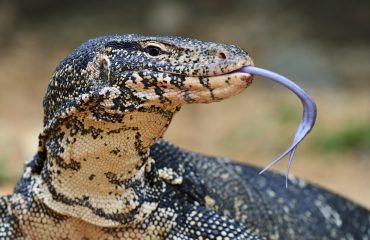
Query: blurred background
column 324, row 46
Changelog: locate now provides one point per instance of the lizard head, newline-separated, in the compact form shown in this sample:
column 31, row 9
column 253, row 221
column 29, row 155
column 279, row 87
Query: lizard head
column 123, row 73
column 119, row 74
column 177, row 70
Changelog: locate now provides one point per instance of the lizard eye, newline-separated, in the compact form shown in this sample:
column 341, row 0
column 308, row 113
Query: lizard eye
column 153, row 51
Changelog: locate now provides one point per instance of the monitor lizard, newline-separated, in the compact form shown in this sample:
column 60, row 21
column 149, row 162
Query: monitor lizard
column 103, row 171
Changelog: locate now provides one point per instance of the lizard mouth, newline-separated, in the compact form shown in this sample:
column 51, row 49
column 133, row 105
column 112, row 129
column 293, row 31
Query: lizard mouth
column 206, row 89
column 220, row 80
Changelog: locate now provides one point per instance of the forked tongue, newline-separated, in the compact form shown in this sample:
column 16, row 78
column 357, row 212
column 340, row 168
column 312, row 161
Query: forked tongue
column 308, row 117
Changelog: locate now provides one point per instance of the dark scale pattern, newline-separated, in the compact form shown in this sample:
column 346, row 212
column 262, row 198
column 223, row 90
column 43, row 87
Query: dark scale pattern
column 103, row 172
column 200, row 223
column 260, row 203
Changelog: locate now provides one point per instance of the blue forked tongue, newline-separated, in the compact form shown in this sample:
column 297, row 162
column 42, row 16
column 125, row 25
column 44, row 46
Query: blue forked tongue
column 308, row 117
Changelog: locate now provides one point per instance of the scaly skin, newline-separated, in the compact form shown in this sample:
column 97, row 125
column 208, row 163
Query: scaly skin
column 103, row 172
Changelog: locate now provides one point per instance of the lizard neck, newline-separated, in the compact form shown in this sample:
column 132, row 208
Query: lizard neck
column 101, row 171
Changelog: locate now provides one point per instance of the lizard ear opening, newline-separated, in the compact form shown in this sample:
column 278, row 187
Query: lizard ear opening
column 99, row 68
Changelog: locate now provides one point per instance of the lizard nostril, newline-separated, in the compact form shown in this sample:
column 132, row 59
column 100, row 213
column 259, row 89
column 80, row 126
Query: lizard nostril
column 221, row 55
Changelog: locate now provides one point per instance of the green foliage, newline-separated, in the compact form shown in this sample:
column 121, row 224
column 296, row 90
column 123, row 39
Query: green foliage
column 351, row 138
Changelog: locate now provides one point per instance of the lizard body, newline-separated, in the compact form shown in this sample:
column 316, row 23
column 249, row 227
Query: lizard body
column 103, row 172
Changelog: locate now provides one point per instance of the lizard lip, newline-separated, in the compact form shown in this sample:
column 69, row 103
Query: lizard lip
column 242, row 75
column 245, row 76
column 237, row 77
column 240, row 70
column 236, row 69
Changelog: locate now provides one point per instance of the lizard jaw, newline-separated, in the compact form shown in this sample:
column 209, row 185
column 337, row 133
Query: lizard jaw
column 180, row 89
column 215, row 88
